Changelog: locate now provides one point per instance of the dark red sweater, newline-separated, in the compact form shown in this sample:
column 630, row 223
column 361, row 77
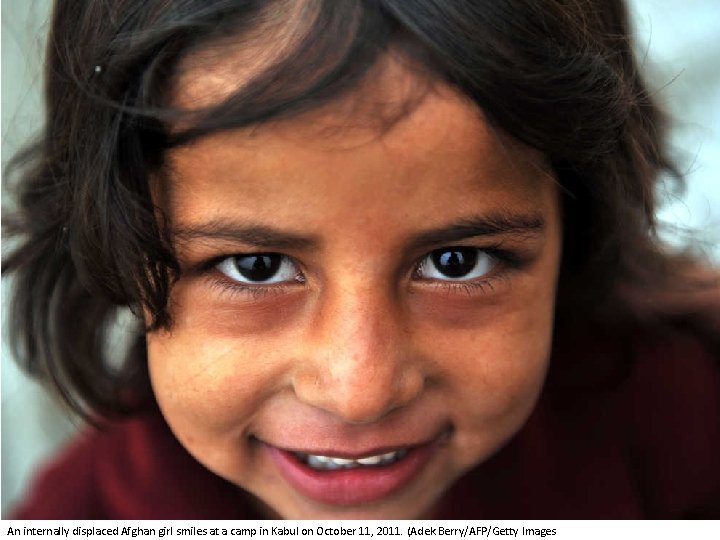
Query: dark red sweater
column 635, row 437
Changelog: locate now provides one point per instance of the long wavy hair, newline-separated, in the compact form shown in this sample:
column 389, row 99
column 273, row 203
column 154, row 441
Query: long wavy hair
column 89, row 243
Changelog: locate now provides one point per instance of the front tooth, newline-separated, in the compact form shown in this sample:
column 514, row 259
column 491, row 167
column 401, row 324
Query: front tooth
column 370, row 460
column 341, row 461
column 334, row 463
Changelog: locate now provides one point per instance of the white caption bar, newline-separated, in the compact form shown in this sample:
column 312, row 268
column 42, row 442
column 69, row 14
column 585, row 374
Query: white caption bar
column 361, row 530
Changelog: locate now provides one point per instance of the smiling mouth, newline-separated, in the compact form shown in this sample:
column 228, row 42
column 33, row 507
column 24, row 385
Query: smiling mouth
column 340, row 478
column 330, row 463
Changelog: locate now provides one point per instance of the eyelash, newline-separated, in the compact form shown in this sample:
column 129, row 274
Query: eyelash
column 470, row 287
column 233, row 289
column 506, row 260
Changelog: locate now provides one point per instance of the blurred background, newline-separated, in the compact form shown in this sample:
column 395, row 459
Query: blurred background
column 678, row 46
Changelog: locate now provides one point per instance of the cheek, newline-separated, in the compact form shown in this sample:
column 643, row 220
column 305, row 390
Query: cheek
column 494, row 376
column 212, row 314
column 497, row 365
column 210, row 389
column 219, row 361
column 206, row 383
column 208, row 397
column 492, row 359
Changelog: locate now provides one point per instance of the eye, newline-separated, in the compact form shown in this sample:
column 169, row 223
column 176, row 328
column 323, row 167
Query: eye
column 456, row 264
column 259, row 268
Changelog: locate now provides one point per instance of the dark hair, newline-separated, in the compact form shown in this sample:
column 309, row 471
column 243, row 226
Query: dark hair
column 559, row 76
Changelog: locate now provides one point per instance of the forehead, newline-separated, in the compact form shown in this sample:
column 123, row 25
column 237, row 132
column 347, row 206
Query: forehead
column 396, row 101
column 417, row 141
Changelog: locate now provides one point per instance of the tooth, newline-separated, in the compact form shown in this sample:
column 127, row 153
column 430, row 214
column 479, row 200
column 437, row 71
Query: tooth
column 370, row 460
column 389, row 456
column 334, row 463
column 317, row 461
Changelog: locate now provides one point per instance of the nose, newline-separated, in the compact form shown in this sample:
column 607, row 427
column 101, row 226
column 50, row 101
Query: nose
column 359, row 363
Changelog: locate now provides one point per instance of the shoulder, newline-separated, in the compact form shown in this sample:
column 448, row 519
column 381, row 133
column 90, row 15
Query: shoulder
column 131, row 469
column 671, row 404
column 88, row 478
column 651, row 399
column 628, row 426
column 64, row 487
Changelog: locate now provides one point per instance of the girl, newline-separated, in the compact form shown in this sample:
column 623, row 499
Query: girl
column 387, row 260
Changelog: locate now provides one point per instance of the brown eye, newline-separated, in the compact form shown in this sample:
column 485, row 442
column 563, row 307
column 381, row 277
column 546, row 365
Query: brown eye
column 260, row 268
column 456, row 264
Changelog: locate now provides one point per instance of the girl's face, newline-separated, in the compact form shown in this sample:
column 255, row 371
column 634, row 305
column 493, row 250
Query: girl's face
column 362, row 316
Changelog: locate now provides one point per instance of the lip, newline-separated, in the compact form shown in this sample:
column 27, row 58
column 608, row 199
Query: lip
column 347, row 487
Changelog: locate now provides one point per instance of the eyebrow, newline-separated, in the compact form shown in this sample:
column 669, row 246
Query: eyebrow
column 494, row 224
column 265, row 237
column 259, row 236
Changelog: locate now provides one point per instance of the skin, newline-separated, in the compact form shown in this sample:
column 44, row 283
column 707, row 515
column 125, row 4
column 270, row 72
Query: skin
column 358, row 349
